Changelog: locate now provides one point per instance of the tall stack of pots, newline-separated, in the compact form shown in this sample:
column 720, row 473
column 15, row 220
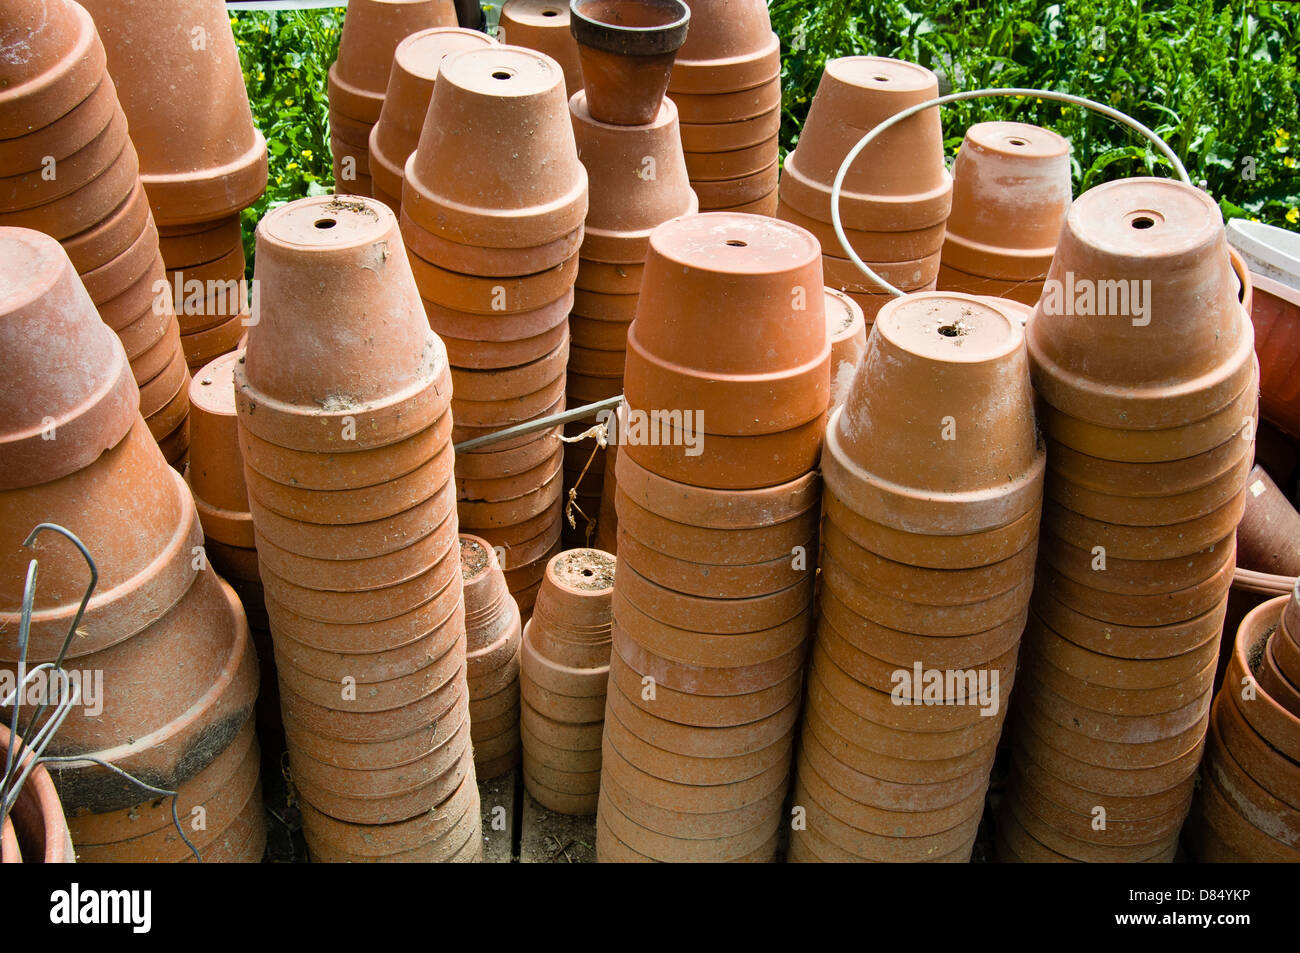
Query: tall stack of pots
column 493, row 636
column 934, row 482
column 1248, row 805
column 358, row 79
column 1143, row 359
column 563, row 679
column 896, row 196
column 543, row 25
column 410, row 87
column 169, row 675
column 726, row 83
column 68, row 168
column 637, row 180
column 345, row 426
column 717, row 507
column 200, row 167
column 1010, row 191
column 495, row 255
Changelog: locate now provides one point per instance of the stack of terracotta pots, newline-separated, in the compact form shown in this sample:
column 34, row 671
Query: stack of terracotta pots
column 563, row 680
column 717, row 540
column 216, row 477
column 358, row 79
column 410, row 87
column 495, row 255
column 847, row 327
column 934, row 483
column 1010, row 192
column 163, row 639
column 1143, row 358
column 726, row 83
column 543, row 25
column 200, row 167
column 638, row 180
column 35, row 830
column 896, row 196
column 68, row 168
column 344, row 421
column 1248, row 806
column 493, row 634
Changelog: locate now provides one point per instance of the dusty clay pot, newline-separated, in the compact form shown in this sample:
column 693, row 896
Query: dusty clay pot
column 899, row 183
column 36, row 826
column 626, row 49
column 1140, row 230
column 729, row 47
column 410, row 87
column 479, row 93
column 71, row 372
column 64, row 64
column 216, row 473
column 400, row 376
column 916, row 342
column 195, row 165
column 543, row 25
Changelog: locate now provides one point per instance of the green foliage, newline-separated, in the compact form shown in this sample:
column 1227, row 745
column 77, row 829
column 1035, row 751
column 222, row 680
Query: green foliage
column 286, row 58
column 1216, row 79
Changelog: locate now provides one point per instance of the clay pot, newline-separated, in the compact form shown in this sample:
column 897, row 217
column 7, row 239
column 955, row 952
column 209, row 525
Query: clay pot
column 1268, row 530
column 195, row 165
column 479, row 93
column 1275, row 313
column 899, row 183
column 939, row 488
column 626, row 49
column 72, row 373
column 847, row 328
column 35, row 829
column 216, row 474
column 620, row 220
column 729, row 47
column 410, row 86
column 543, row 25
column 64, row 65
column 399, row 376
column 1142, row 230
column 371, row 34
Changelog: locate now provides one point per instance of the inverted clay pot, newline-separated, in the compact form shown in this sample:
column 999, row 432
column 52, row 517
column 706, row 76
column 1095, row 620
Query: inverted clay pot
column 72, row 395
column 730, row 46
column 410, row 86
column 510, row 202
column 627, row 48
column 196, row 164
column 62, row 64
column 543, row 25
column 1275, row 313
column 338, row 333
column 216, row 472
column 1163, row 241
column 899, row 183
column 925, row 349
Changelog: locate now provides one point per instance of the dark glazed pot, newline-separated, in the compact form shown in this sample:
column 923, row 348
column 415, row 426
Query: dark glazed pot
column 627, row 48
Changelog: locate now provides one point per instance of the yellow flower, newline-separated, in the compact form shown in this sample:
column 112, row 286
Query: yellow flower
column 1283, row 134
column 1293, row 215
column 306, row 153
column 291, row 166
column 266, row 28
column 1101, row 59
column 288, row 102
column 261, row 77
column 1289, row 162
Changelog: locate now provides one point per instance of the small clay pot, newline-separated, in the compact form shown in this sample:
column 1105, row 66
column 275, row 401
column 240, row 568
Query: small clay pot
column 35, row 829
column 396, row 133
column 543, row 25
column 216, row 472
column 626, row 49
column 899, row 183
column 195, row 165
column 1269, row 529
column 505, row 88
column 1275, row 314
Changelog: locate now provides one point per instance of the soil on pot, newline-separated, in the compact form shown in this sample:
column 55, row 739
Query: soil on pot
column 585, row 569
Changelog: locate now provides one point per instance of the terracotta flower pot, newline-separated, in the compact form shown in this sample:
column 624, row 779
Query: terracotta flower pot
column 626, row 49
column 1142, row 230
column 64, row 65
column 35, row 828
column 71, row 373
column 728, row 47
column 543, row 25
column 390, row 385
column 479, row 93
column 410, row 86
column 899, row 183
column 1276, row 315
column 371, row 33
column 968, row 345
column 216, row 473
column 619, row 220
column 196, row 165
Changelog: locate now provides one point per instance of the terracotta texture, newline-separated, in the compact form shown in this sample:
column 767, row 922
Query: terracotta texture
column 35, row 831
column 543, row 25
column 1145, row 491
column 626, row 50
column 360, row 562
column 196, row 165
column 1275, row 313
column 493, row 637
column 63, row 107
